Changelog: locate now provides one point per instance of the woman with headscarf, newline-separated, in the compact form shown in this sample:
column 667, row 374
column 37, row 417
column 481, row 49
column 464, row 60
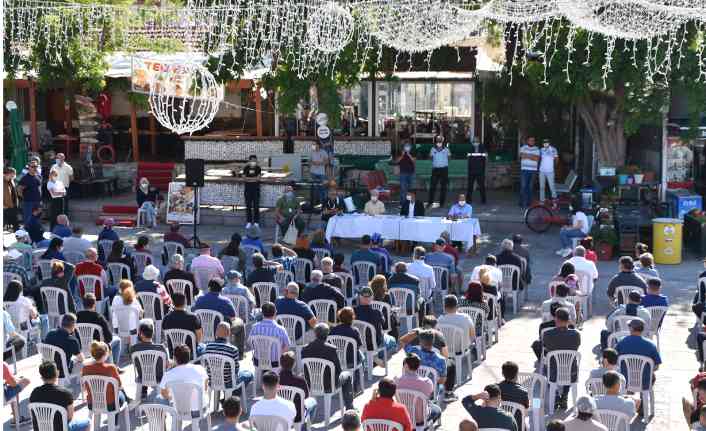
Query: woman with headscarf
column 147, row 201
column 118, row 255
column 150, row 283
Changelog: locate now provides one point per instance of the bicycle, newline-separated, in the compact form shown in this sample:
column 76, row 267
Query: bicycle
column 542, row 215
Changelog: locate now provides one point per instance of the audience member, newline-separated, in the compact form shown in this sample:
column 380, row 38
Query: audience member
column 283, row 255
column 631, row 308
column 177, row 272
column 556, row 425
column 221, row 346
column 175, row 236
column 449, row 248
column 142, row 244
column 269, row 327
column 234, row 286
column 584, row 419
column 184, row 372
column 338, row 261
column 401, row 279
column 272, row 404
column 64, row 338
column 474, row 298
column 61, row 228
column 287, row 378
column 126, row 299
column 612, row 400
column 561, row 338
column 489, row 414
column 537, row 345
column 490, row 265
column 410, row 380
column 214, row 300
column 118, row 254
column 381, row 294
column 374, row 206
column 646, row 266
column 150, row 283
column 562, row 292
column 90, row 266
column 181, row 318
column 366, row 313
column 566, row 276
column 428, row 323
column 233, row 249
column 376, row 246
column 289, row 304
column 51, row 393
column 10, row 336
column 626, row 277
column 232, row 411
column 654, row 297
column 444, row 367
column 99, row 353
column 89, row 315
column 382, row 405
column 317, row 289
column 692, row 408
column 54, row 251
column 583, row 265
column 107, row 232
column 350, row 421
column 609, row 362
column 252, row 238
column 468, row 424
column 363, row 254
column 452, row 317
column 507, row 256
column 345, row 328
column 262, row 273
column 302, row 246
column 33, row 226
column 207, row 262
column 636, row 344
column 76, row 243
column 61, row 277
column 424, row 272
column 701, row 424
column 512, row 391
column 438, row 257
column 145, row 332
column 329, row 276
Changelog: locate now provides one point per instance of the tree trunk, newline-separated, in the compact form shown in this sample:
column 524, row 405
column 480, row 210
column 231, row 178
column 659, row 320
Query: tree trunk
column 605, row 122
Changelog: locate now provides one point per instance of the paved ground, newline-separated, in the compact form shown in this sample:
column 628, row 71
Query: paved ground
column 517, row 335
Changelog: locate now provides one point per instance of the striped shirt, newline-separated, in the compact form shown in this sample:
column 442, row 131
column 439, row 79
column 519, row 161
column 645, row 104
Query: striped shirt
column 271, row 328
column 221, row 346
column 19, row 270
column 529, row 164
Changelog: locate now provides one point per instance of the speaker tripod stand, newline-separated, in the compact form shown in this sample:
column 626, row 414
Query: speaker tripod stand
column 195, row 241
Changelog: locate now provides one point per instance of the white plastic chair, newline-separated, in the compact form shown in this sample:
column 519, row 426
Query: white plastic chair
column 169, row 249
column 290, row 393
column 536, row 386
column 49, row 352
column 508, row 286
column 185, row 287
column 268, row 422
column 400, row 297
column 118, row 271
column 7, row 277
column 176, row 337
column 564, row 361
column 86, row 332
column 156, row 415
column 249, row 250
column 314, row 371
column 476, row 314
column 98, row 386
column 512, row 408
column 106, row 245
column 347, row 285
column 302, row 267
column 10, row 349
column 291, row 323
column 320, row 253
column 19, row 314
column 90, row 283
column 344, row 345
column 441, row 276
column 182, row 394
column 433, row 375
column 141, row 259
column 657, row 314
column 203, row 276
column 621, row 323
column 417, row 405
column 459, row 346
column 128, row 319
column 622, row 292
column 367, row 332
column 494, row 324
column 324, row 309
column 263, row 347
column 148, row 360
column 53, row 297
column 386, row 310
column 381, row 425
column 209, row 320
column 363, row 272
column 586, row 284
column 151, row 301
column 44, row 414
column 74, row 257
column 523, row 271
column 635, row 366
column 614, row 420
column 615, row 337
column 45, row 268
column 263, row 292
column 216, row 367
column 242, row 308
column 229, row 263
column 283, row 278
column 595, row 386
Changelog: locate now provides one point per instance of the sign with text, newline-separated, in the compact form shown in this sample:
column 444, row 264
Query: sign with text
column 180, row 203
column 146, row 71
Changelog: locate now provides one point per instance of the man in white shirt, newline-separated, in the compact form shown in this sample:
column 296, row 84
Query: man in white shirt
column 612, row 400
column 548, row 156
column 577, row 229
column 529, row 161
column 496, row 275
column 184, row 372
column 453, row 318
column 424, row 272
column 66, row 175
column 583, row 266
column 205, row 260
column 271, row 404
column 76, row 242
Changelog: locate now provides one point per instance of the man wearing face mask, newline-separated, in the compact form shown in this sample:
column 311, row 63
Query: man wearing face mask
column 529, row 160
column 66, row 175
column 549, row 155
column 461, row 209
column 317, row 168
column 407, row 164
column 287, row 209
column 252, row 173
column 439, row 170
column 410, row 207
column 476, row 169
column 333, row 205
column 374, row 206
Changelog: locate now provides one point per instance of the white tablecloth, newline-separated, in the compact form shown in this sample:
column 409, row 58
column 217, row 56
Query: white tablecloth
column 421, row 229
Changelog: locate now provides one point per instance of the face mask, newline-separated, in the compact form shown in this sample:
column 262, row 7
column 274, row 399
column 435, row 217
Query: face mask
column 253, row 163
column 59, row 161
column 409, row 198
column 374, row 198
column 439, row 144
column 407, row 148
column 546, row 145
column 462, row 203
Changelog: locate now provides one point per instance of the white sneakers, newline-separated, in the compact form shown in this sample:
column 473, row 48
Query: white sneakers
column 248, row 226
column 563, row 251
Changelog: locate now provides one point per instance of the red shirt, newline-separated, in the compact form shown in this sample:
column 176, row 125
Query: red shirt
column 90, row 268
column 387, row 408
column 591, row 255
column 453, row 251
column 102, row 369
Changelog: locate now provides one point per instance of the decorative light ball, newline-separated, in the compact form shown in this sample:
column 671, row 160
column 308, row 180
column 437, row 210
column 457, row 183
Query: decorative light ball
column 185, row 98
column 330, row 27
column 519, row 11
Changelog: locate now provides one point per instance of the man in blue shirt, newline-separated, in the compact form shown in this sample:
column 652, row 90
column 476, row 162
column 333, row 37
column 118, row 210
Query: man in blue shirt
column 364, row 254
column 438, row 258
column 213, row 300
column 289, row 304
column 636, row 344
column 30, row 187
column 439, row 170
column 65, row 339
column 62, row 228
column 431, row 358
column 252, row 238
column 376, row 247
column 108, row 232
column 461, row 209
column 33, row 225
column 654, row 297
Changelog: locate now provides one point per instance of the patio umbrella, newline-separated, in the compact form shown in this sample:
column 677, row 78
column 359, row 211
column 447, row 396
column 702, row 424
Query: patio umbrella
column 18, row 152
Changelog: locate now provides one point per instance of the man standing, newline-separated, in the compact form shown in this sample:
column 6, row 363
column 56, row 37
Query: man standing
column 529, row 160
column 30, row 189
column 476, row 169
column 10, row 200
column 439, row 170
column 66, row 175
column 317, row 168
column 407, row 164
column 286, row 210
column 549, row 156
column 252, row 173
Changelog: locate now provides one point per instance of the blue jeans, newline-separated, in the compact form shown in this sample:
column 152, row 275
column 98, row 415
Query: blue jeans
column 116, row 348
column 12, row 391
column 320, row 187
column 527, row 179
column 245, row 377
column 390, row 346
column 80, row 425
column 565, row 235
column 150, row 213
column 27, row 209
column 405, row 186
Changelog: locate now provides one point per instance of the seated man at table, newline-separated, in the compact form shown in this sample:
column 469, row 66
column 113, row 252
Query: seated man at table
column 461, row 209
column 374, row 206
column 410, row 207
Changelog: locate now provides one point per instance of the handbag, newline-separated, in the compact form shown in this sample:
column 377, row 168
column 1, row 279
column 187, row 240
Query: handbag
column 290, row 237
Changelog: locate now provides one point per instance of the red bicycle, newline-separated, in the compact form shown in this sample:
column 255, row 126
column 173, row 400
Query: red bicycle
column 542, row 215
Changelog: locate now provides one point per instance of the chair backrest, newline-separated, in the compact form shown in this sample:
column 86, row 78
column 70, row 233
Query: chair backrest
column 634, row 366
column 241, row 305
column 177, row 285
column 118, row 271
column 510, row 274
column 169, row 249
column 16, row 312
column 622, row 292
column 216, row 366
column 86, row 333
column 291, row 323
column 50, row 352
column 585, row 282
column 386, row 310
column 150, row 302
column 344, row 345
column 249, row 250
column 367, row 333
column 363, row 272
column 149, row 360
column 141, row 259
column 176, row 337
column 290, row 393
column 475, row 314
column 347, row 284
column 89, row 283
column 615, row 337
column 283, row 278
column 417, row 404
column 203, row 275
column 657, row 314
column 98, row 386
column 156, row 415
column 595, row 386
column 614, row 420
column 74, row 257
column 564, row 360
column 441, row 276
column 44, row 414
column 551, row 292
column 45, row 268
column 263, row 349
column 457, row 341
column 381, row 425
column 320, row 253
column 209, row 320
column 7, row 277
column 533, row 382
column 229, row 262
column 315, row 372
column 430, row 372
column 512, row 408
column 620, row 323
column 402, row 298
column 263, row 292
column 324, row 309
column 268, row 423
column 53, row 296
column 182, row 395
column 302, row 268
column 106, row 245
column 128, row 319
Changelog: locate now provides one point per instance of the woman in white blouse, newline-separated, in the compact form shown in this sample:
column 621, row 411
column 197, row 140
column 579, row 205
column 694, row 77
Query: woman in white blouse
column 57, row 192
column 123, row 318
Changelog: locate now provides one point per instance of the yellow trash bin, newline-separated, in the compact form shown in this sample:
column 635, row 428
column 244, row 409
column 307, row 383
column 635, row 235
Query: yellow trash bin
column 667, row 238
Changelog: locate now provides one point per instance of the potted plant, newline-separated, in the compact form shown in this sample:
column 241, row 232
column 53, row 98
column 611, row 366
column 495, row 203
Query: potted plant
column 606, row 238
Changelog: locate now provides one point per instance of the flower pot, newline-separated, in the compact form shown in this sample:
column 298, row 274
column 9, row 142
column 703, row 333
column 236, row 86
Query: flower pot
column 604, row 251
column 638, row 178
column 623, row 179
